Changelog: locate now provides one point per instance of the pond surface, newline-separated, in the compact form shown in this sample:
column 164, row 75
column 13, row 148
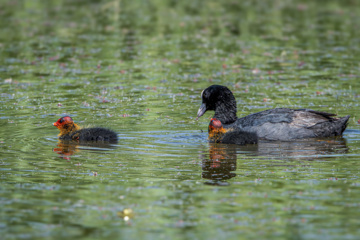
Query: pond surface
column 139, row 68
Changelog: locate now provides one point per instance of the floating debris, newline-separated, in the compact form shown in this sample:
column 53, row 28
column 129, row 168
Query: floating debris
column 126, row 214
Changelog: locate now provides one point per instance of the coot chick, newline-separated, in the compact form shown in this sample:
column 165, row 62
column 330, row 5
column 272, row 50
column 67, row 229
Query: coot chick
column 218, row 134
column 274, row 124
column 71, row 131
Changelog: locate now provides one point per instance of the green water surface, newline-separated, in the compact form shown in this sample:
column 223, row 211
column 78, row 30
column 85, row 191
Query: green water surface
column 138, row 67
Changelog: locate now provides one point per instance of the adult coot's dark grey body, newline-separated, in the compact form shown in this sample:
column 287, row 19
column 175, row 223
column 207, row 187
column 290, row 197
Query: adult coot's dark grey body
column 274, row 124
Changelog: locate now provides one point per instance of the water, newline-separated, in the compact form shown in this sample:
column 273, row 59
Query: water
column 139, row 68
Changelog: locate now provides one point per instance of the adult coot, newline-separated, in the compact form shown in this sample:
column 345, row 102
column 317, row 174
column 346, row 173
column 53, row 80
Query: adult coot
column 274, row 124
column 71, row 131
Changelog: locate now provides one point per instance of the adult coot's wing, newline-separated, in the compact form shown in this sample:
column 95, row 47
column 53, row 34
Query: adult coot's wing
column 294, row 117
column 276, row 115
column 324, row 114
column 287, row 124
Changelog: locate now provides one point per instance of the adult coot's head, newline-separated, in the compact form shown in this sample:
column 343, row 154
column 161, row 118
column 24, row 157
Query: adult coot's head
column 221, row 100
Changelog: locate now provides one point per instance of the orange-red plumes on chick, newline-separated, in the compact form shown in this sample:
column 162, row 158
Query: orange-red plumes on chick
column 216, row 130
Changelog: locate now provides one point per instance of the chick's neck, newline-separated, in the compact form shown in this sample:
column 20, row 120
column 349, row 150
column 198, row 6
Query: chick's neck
column 68, row 129
column 216, row 133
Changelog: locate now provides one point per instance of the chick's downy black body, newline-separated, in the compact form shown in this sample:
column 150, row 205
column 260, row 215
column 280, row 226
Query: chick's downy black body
column 96, row 134
column 218, row 134
column 273, row 124
column 239, row 137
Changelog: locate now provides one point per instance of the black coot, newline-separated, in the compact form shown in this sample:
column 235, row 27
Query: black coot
column 274, row 124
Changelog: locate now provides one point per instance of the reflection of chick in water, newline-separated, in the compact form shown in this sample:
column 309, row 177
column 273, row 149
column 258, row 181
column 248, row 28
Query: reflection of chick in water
column 221, row 162
column 66, row 149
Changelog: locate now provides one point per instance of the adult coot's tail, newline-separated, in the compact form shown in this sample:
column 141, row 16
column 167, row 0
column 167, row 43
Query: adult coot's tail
column 331, row 128
column 342, row 124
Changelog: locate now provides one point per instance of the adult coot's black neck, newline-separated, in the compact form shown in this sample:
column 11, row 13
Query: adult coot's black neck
column 222, row 101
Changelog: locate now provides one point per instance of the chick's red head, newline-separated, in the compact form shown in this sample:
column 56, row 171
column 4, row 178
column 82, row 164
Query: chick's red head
column 62, row 122
column 215, row 124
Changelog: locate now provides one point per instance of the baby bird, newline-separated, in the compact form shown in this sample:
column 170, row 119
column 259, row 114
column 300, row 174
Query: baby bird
column 218, row 134
column 71, row 131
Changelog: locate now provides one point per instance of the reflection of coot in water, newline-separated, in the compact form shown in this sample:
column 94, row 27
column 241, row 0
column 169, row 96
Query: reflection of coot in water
column 71, row 131
column 306, row 148
column 274, row 124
